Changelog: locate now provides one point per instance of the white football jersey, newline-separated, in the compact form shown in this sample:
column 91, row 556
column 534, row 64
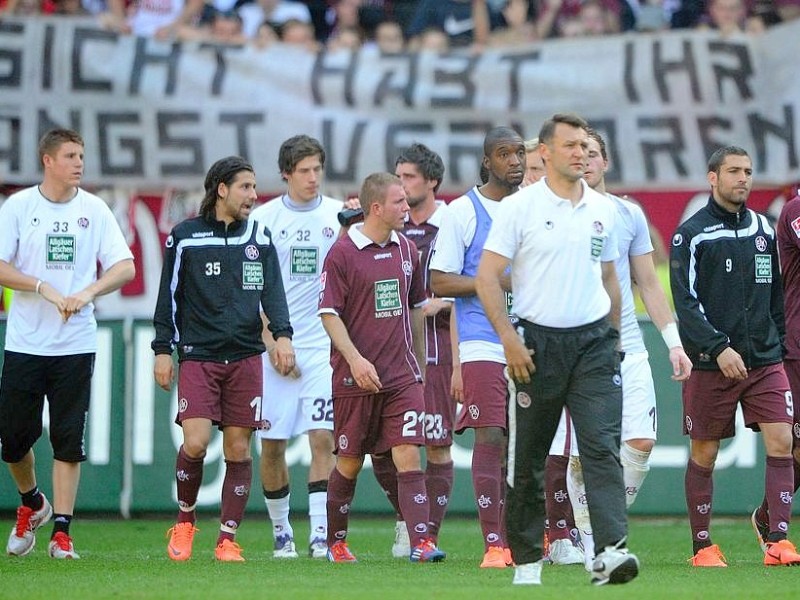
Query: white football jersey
column 62, row 244
column 302, row 239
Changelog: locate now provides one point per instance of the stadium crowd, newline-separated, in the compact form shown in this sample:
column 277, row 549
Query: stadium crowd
column 396, row 25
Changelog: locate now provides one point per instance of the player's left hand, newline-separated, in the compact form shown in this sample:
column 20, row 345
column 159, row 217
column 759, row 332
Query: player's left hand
column 681, row 365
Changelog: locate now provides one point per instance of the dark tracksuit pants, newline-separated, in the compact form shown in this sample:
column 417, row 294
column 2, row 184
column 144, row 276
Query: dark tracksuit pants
column 577, row 368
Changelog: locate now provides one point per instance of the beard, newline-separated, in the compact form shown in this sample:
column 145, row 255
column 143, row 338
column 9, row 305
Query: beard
column 412, row 202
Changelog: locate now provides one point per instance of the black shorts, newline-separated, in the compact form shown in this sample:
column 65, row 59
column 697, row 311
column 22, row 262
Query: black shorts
column 26, row 380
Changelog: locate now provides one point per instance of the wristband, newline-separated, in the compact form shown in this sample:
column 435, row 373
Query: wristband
column 671, row 337
column 39, row 283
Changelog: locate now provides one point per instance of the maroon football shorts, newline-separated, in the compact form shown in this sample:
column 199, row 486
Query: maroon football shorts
column 227, row 394
column 792, row 368
column 440, row 408
column 485, row 395
column 376, row 423
column 710, row 399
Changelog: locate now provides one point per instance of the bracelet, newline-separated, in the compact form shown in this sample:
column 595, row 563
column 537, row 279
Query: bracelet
column 671, row 337
column 39, row 283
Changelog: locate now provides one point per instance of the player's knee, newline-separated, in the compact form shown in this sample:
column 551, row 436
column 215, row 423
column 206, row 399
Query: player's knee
column 438, row 454
column 641, row 444
column 321, row 445
column 273, row 450
column 194, row 448
column 493, row 436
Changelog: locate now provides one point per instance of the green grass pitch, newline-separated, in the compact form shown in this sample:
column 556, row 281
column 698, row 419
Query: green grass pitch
column 127, row 559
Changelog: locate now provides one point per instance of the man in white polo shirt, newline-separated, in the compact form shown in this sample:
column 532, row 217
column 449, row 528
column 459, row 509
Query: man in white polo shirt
column 558, row 236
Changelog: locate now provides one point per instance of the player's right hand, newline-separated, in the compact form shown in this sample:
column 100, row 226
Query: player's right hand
column 457, row 384
column 164, row 371
column 365, row 375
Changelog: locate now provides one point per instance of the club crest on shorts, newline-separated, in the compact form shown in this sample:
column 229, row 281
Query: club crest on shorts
column 688, row 423
column 523, row 399
column 183, row 404
column 343, row 442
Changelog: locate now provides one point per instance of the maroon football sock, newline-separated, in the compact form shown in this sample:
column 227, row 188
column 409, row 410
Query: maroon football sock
column 386, row 474
column 487, row 461
column 189, row 476
column 414, row 504
column 439, row 483
column 779, row 488
column 235, row 492
column 699, row 490
column 556, row 501
column 340, row 496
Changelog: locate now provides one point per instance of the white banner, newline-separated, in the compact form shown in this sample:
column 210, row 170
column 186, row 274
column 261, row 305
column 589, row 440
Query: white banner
column 158, row 114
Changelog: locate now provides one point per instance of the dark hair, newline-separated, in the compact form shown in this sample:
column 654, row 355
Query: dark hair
column 497, row 135
column 595, row 135
column 428, row 162
column 51, row 141
column 548, row 129
column 296, row 149
column 224, row 171
column 483, row 174
column 719, row 156
column 374, row 189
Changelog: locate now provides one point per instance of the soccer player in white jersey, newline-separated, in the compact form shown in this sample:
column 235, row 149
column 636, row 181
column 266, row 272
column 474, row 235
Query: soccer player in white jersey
column 639, row 416
column 53, row 237
column 304, row 226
